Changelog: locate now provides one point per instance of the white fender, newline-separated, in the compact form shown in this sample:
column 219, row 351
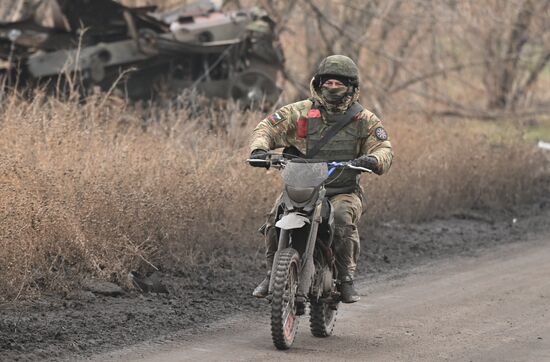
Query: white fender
column 292, row 221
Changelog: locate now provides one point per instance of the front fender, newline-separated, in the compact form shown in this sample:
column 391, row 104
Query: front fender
column 292, row 221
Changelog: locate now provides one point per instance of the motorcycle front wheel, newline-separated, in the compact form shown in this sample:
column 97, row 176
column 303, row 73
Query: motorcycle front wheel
column 284, row 322
column 322, row 317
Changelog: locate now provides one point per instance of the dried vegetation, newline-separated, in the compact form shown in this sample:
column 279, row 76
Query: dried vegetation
column 102, row 187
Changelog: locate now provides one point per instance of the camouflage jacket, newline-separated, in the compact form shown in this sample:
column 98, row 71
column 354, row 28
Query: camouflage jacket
column 280, row 130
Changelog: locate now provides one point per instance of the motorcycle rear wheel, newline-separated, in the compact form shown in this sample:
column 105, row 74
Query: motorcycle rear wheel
column 284, row 322
column 322, row 318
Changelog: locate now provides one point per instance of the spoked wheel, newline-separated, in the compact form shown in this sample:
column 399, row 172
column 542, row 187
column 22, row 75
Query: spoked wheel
column 284, row 321
column 322, row 317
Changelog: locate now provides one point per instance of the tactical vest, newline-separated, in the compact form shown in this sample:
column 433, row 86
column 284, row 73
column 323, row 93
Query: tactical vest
column 342, row 147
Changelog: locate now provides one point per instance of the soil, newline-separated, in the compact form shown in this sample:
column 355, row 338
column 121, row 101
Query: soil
column 84, row 323
column 489, row 307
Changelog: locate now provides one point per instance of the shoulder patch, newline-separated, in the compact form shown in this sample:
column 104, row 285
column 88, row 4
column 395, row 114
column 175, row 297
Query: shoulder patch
column 276, row 118
column 381, row 134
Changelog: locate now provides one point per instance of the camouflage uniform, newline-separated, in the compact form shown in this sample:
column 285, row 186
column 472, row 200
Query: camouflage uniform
column 365, row 135
column 280, row 130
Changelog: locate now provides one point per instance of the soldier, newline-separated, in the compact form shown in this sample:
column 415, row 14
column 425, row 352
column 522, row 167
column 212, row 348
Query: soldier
column 362, row 138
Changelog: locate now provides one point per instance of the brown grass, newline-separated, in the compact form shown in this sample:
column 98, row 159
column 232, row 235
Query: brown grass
column 442, row 166
column 101, row 188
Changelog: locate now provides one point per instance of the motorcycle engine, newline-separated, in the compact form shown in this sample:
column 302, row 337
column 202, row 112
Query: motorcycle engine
column 323, row 282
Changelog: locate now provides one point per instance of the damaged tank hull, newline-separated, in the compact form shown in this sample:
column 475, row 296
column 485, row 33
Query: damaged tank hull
column 140, row 51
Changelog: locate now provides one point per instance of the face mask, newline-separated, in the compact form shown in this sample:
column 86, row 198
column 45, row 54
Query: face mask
column 334, row 95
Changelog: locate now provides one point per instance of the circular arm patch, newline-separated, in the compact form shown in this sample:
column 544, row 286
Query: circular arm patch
column 381, row 134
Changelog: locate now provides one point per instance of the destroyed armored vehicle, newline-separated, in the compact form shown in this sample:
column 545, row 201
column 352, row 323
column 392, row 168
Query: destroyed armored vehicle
column 139, row 50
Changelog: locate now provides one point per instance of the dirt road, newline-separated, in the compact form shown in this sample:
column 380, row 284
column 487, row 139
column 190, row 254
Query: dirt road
column 495, row 307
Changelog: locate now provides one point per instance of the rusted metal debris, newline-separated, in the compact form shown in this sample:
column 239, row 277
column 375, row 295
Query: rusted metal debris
column 222, row 54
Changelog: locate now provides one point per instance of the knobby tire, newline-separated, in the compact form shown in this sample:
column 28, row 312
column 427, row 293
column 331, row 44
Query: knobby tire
column 284, row 321
column 321, row 319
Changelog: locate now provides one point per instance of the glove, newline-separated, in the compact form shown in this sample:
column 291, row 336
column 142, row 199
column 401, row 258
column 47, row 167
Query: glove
column 367, row 161
column 259, row 155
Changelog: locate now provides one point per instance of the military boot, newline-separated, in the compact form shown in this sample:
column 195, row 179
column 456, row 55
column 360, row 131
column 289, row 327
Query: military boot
column 347, row 291
column 263, row 288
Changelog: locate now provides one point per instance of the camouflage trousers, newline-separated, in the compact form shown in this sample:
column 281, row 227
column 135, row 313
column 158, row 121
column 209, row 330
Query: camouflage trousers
column 348, row 209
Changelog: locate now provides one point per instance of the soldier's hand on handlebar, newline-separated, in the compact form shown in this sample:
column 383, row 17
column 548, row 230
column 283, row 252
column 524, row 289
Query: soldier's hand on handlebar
column 259, row 155
column 366, row 161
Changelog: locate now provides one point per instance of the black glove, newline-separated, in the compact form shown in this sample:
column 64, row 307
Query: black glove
column 366, row 161
column 259, row 155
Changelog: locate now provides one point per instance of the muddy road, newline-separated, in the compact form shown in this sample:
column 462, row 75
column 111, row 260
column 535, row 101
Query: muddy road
column 203, row 299
column 494, row 307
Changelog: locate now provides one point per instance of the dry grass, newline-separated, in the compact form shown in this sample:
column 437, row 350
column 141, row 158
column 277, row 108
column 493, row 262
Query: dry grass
column 85, row 189
column 101, row 188
column 442, row 166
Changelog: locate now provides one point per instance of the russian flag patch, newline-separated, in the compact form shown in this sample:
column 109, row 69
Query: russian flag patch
column 276, row 118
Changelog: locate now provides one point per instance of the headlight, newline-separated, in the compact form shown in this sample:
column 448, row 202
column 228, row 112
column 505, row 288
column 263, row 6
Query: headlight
column 300, row 194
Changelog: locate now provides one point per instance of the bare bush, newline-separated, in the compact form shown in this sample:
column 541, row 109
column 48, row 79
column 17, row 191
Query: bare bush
column 101, row 188
column 86, row 189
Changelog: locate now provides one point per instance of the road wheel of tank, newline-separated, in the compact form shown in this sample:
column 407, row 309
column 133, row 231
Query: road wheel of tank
column 252, row 88
column 284, row 321
column 322, row 317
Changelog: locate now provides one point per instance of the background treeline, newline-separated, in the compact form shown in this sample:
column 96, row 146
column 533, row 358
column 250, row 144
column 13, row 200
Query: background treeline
column 467, row 58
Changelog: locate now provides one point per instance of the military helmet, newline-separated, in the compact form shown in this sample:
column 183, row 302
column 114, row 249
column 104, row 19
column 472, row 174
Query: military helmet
column 337, row 67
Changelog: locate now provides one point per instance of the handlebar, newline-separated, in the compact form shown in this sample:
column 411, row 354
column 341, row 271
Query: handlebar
column 278, row 160
column 347, row 164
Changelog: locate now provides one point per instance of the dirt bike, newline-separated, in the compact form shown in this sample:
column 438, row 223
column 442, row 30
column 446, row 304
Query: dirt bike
column 304, row 266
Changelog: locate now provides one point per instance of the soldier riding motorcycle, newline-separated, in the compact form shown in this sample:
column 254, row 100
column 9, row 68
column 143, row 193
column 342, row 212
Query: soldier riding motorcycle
column 331, row 126
column 304, row 268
